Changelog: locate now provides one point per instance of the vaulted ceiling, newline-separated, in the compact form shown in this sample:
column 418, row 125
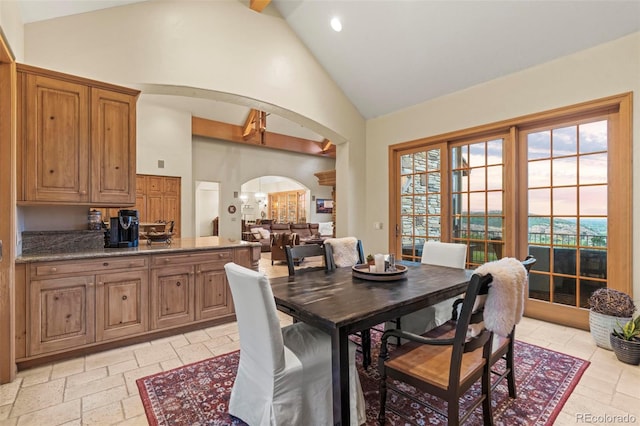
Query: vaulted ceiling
column 393, row 54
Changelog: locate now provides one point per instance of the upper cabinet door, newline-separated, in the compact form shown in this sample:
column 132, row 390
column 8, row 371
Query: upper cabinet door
column 113, row 155
column 56, row 140
column 77, row 140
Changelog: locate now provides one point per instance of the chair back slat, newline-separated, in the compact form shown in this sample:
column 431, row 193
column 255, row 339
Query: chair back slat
column 295, row 253
column 462, row 342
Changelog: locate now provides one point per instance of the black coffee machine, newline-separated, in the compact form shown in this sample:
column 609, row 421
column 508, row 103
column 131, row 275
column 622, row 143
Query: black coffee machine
column 123, row 230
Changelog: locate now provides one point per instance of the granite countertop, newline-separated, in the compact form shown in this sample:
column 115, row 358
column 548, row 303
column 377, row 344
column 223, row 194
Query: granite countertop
column 177, row 245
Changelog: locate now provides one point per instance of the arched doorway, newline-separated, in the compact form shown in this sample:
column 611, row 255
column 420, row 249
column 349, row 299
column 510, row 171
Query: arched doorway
column 263, row 199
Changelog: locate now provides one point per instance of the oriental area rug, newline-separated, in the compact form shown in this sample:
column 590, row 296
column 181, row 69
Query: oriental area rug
column 198, row 394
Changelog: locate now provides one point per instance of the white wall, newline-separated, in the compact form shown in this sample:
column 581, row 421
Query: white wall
column 11, row 23
column 234, row 164
column 192, row 48
column 165, row 134
column 605, row 70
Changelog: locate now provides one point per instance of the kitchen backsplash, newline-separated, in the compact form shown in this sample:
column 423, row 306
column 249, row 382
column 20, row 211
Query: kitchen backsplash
column 43, row 242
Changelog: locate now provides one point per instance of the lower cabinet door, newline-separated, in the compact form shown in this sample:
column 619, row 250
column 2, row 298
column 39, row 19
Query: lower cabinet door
column 61, row 313
column 172, row 296
column 122, row 307
column 213, row 297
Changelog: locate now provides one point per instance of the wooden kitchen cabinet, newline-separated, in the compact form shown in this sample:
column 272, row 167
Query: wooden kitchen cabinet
column 172, row 295
column 113, row 147
column 62, row 313
column 122, row 307
column 76, row 140
column 75, row 303
column 213, row 297
column 77, row 306
column 189, row 287
column 158, row 200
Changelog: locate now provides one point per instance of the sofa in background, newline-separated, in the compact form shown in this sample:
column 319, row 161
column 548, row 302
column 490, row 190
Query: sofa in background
column 262, row 233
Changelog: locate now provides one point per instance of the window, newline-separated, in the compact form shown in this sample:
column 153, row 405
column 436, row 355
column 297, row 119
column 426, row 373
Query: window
column 553, row 184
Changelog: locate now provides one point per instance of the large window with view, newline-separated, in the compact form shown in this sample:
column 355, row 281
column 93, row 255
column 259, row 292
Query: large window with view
column 567, row 215
column 554, row 184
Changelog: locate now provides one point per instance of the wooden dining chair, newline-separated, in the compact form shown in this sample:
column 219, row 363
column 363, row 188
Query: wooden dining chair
column 503, row 346
column 445, row 366
column 284, row 374
column 344, row 252
column 295, row 255
column 452, row 255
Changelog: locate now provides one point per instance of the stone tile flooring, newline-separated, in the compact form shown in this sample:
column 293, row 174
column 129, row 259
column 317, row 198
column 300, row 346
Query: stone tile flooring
column 100, row 389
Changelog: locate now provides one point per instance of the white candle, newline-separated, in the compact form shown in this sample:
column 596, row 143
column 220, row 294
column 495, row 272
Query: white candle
column 379, row 259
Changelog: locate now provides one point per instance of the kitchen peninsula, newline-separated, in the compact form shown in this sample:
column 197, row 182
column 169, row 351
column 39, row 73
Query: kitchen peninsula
column 74, row 303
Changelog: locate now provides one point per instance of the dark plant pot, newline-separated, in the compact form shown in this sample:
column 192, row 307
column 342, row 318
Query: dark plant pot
column 627, row 351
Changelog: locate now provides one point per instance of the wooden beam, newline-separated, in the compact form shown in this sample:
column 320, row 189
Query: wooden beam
column 258, row 5
column 232, row 133
column 327, row 178
column 249, row 128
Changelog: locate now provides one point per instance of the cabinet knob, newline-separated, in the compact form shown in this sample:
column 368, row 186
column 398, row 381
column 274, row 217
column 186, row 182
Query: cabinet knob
column 83, row 192
column 54, row 269
column 100, row 283
column 124, row 297
column 198, row 271
column 117, row 167
column 105, row 264
column 178, row 284
column 90, row 284
column 166, row 260
column 51, row 171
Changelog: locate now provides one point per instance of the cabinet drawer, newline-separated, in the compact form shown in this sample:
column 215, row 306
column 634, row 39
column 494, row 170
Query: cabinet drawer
column 222, row 256
column 83, row 266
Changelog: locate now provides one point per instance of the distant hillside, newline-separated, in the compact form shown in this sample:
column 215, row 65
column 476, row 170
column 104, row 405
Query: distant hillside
column 593, row 231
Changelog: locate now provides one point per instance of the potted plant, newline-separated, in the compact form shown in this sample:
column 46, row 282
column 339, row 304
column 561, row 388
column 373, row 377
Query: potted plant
column 625, row 341
column 608, row 307
column 370, row 259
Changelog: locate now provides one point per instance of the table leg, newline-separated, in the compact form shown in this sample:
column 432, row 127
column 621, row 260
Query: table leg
column 340, row 377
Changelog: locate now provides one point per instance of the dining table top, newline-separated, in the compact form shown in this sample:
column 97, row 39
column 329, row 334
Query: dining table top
column 336, row 299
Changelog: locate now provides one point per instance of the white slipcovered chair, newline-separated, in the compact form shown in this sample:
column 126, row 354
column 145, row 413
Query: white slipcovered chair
column 453, row 255
column 284, row 375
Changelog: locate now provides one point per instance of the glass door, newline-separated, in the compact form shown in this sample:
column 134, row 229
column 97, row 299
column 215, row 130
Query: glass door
column 567, row 211
column 420, row 201
column 556, row 185
column 477, row 199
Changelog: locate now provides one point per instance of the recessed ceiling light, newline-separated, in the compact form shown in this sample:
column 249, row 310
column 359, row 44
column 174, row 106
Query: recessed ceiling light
column 336, row 24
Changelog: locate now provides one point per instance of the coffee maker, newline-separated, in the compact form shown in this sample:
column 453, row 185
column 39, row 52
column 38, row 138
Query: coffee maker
column 123, row 230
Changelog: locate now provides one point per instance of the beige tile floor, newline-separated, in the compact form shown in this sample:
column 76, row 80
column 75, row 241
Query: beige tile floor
column 100, row 389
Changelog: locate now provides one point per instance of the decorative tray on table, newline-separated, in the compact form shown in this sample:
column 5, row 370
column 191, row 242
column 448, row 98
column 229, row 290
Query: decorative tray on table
column 362, row 271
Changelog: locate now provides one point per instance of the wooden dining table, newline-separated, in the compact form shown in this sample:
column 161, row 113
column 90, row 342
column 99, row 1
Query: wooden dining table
column 340, row 304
